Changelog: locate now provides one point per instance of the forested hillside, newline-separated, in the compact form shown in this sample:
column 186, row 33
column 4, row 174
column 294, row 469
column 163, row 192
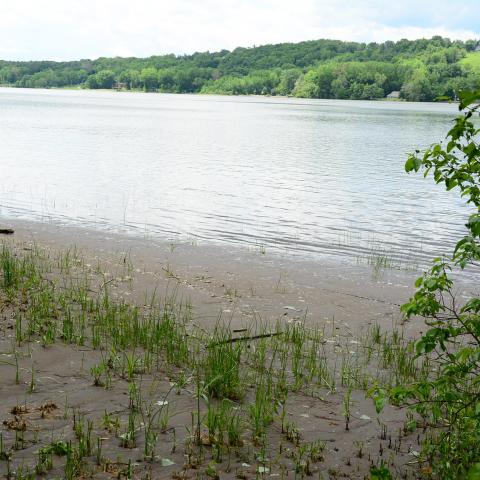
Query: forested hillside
column 421, row 70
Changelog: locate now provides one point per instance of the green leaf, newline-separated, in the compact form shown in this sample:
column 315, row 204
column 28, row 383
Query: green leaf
column 380, row 473
column 410, row 164
column 474, row 472
column 450, row 183
column 467, row 98
column 380, row 399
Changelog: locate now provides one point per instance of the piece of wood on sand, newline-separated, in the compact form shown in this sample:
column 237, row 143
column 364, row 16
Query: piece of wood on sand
column 245, row 339
column 6, row 231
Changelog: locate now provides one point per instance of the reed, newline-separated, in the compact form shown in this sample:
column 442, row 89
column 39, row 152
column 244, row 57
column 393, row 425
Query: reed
column 240, row 389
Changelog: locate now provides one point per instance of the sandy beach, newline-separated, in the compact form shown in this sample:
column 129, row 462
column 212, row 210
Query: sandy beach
column 247, row 290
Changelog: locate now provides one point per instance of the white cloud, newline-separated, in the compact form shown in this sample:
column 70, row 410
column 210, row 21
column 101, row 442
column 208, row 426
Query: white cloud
column 72, row 29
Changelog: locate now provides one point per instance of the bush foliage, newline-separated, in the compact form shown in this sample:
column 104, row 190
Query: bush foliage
column 448, row 400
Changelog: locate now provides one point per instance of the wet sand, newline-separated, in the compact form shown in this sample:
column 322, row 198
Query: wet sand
column 238, row 283
column 240, row 286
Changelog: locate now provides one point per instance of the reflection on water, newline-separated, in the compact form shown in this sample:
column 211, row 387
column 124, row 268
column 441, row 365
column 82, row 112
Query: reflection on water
column 317, row 176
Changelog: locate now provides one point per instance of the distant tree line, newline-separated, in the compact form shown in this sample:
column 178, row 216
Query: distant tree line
column 421, row 70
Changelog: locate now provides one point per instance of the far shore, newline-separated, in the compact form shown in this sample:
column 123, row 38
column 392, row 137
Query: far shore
column 139, row 90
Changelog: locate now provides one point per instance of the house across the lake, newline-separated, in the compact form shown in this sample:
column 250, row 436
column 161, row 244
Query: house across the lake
column 394, row 94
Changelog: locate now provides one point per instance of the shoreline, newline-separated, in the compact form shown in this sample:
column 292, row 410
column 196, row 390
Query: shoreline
column 237, row 282
column 206, row 94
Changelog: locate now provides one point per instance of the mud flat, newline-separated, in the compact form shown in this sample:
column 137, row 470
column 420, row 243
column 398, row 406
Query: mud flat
column 128, row 357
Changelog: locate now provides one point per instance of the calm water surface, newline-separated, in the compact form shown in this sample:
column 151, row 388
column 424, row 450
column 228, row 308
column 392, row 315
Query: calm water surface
column 319, row 177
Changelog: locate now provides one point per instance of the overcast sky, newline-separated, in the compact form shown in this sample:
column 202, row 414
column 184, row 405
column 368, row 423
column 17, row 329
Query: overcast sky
column 75, row 29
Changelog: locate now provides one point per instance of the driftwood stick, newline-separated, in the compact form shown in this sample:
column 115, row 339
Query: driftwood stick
column 245, row 339
column 6, row 231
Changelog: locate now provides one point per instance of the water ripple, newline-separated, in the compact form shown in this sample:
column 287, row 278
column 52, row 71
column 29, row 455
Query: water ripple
column 306, row 176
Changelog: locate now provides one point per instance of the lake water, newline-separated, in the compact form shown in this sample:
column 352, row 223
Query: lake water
column 315, row 177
